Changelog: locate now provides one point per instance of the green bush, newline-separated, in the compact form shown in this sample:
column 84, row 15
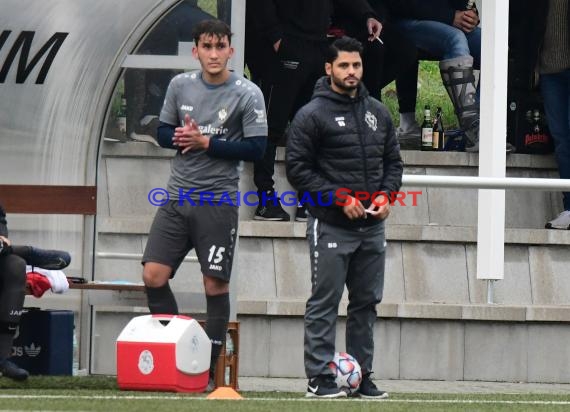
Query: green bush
column 430, row 91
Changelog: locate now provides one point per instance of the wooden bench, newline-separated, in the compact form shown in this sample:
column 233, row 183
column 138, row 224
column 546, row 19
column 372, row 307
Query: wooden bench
column 82, row 200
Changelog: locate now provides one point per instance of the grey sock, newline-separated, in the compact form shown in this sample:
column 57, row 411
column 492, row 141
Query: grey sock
column 408, row 121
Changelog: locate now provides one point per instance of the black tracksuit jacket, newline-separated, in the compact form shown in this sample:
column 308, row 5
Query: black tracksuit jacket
column 359, row 152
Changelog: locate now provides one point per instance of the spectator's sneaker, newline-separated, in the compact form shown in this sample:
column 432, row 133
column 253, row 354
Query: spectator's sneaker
column 562, row 221
column 510, row 148
column 324, row 386
column 368, row 389
column 301, row 214
column 472, row 137
column 145, row 131
column 11, row 370
column 47, row 259
column 269, row 208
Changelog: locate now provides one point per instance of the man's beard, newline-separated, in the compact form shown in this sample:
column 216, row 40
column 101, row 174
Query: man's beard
column 341, row 85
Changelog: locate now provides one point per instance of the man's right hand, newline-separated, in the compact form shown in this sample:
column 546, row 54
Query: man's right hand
column 353, row 209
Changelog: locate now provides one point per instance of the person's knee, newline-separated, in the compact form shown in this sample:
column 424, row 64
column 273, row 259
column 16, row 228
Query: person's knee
column 456, row 44
column 214, row 286
column 156, row 274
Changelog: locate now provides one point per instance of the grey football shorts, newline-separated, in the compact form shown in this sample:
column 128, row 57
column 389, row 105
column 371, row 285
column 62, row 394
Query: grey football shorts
column 210, row 230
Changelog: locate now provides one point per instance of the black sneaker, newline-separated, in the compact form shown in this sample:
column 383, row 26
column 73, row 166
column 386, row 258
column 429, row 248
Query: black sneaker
column 13, row 371
column 269, row 208
column 301, row 215
column 324, row 386
column 368, row 389
column 48, row 259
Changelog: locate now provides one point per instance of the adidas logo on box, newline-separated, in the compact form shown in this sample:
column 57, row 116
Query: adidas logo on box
column 32, row 351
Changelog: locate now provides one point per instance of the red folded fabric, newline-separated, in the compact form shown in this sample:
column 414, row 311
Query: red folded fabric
column 37, row 283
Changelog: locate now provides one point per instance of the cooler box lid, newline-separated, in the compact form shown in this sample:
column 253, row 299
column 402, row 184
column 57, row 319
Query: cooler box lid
column 192, row 345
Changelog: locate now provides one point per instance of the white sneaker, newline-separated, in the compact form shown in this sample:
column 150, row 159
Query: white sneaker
column 144, row 138
column 562, row 221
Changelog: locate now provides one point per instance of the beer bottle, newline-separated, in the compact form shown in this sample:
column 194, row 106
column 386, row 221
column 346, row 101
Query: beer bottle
column 470, row 4
column 536, row 129
column 427, row 130
column 438, row 131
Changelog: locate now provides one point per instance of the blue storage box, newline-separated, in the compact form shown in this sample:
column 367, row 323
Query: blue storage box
column 44, row 344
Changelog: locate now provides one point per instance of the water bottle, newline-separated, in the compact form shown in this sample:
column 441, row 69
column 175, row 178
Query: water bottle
column 229, row 354
column 75, row 364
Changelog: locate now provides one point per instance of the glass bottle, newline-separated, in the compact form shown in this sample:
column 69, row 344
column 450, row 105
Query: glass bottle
column 438, row 131
column 427, row 130
column 229, row 354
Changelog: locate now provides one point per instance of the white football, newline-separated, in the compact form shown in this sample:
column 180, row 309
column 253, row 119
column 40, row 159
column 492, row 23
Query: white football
column 346, row 370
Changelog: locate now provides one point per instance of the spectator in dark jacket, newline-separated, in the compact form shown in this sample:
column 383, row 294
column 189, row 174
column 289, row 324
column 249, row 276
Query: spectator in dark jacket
column 285, row 46
column 447, row 29
column 343, row 155
column 385, row 58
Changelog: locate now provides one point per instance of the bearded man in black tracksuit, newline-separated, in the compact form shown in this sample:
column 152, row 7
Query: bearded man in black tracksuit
column 286, row 42
column 342, row 154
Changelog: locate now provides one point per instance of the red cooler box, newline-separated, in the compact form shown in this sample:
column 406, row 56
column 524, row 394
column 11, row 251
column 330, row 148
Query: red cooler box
column 172, row 357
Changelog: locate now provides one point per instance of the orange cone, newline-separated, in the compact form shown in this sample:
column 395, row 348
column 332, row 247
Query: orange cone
column 224, row 392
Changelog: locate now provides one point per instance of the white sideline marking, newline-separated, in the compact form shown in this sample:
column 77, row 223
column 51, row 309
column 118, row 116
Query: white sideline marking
column 154, row 397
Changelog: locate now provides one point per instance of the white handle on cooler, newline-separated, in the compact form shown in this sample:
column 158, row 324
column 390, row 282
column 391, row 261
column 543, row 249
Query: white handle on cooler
column 169, row 317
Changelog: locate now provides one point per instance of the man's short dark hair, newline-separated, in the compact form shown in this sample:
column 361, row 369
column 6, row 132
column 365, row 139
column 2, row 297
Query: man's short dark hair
column 345, row 44
column 213, row 27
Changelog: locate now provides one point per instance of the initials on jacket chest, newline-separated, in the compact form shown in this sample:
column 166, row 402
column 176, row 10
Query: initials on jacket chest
column 357, row 127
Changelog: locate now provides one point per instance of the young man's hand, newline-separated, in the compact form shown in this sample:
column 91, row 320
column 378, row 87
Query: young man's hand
column 189, row 137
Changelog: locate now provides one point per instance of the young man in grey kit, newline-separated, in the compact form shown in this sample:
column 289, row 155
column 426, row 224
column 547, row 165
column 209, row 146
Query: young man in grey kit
column 213, row 118
column 344, row 139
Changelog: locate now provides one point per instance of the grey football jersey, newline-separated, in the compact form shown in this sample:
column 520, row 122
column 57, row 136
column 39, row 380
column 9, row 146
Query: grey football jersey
column 231, row 111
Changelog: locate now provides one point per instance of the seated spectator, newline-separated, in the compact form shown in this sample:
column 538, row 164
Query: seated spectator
column 12, row 290
column 286, row 41
column 549, row 56
column 447, row 29
column 384, row 58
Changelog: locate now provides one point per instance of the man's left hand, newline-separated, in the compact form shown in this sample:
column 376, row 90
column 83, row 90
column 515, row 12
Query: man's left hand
column 379, row 208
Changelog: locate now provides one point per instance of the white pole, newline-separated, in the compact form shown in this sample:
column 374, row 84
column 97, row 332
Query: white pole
column 475, row 182
column 492, row 162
